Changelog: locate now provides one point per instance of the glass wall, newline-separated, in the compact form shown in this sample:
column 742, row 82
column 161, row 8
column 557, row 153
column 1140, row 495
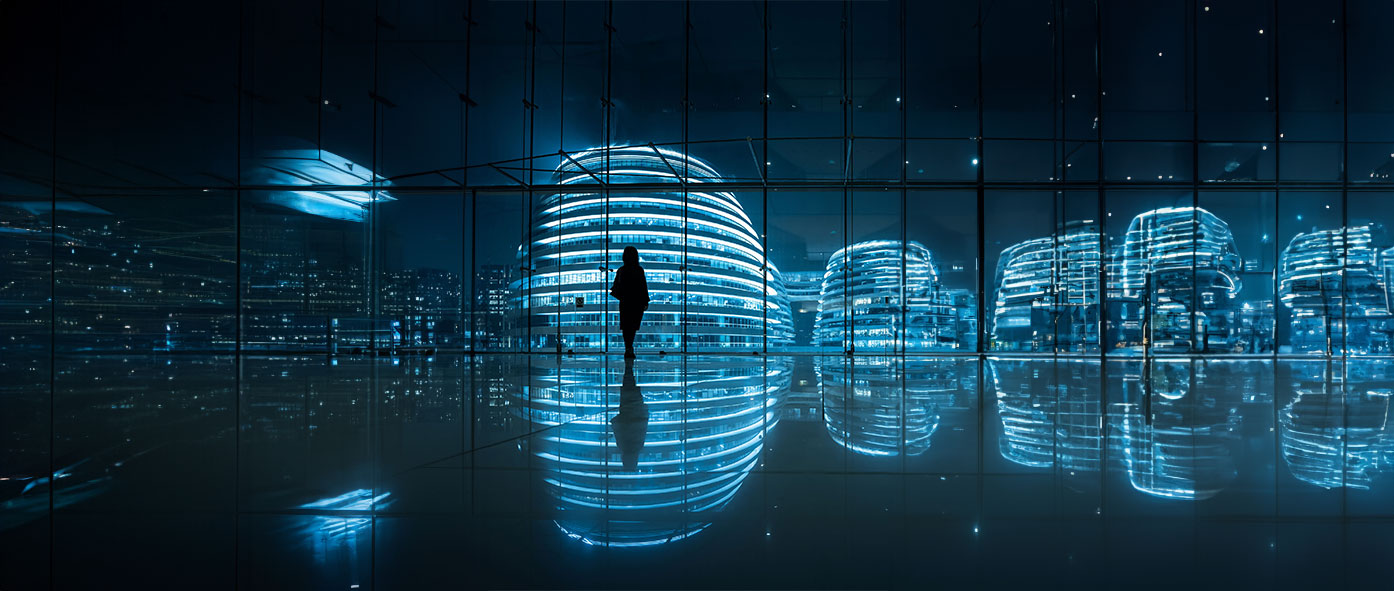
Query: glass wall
column 886, row 178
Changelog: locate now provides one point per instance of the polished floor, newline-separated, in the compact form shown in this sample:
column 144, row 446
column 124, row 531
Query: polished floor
column 746, row 472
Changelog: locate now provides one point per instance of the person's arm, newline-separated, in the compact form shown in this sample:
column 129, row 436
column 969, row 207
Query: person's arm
column 615, row 287
column 644, row 289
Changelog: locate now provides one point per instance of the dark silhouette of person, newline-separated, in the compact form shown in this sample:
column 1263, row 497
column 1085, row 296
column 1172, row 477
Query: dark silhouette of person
column 631, row 288
column 631, row 423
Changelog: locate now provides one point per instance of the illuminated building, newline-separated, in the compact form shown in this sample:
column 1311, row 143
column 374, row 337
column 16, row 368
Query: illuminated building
column 1329, row 275
column 1176, row 264
column 423, row 305
column 1046, row 295
column 1335, row 431
column 619, row 485
column 708, row 281
column 887, row 406
column 861, row 306
column 805, row 288
column 493, row 319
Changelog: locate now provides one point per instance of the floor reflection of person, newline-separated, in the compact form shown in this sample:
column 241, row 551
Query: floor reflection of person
column 631, row 423
column 631, row 288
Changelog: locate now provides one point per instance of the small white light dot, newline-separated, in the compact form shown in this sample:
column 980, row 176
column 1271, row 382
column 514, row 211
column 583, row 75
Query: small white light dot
column 1130, row 178
column 1260, row 31
column 1159, row 54
column 1265, row 147
column 975, row 162
column 1207, row 9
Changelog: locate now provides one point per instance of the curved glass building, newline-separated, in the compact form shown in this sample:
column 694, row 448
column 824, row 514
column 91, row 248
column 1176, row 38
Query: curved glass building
column 1047, row 292
column 638, row 456
column 861, row 305
column 709, row 284
column 1176, row 263
column 1327, row 275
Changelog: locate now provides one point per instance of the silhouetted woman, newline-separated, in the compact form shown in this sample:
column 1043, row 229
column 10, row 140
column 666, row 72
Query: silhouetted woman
column 632, row 290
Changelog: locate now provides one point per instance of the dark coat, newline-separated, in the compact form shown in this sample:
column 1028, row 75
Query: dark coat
column 631, row 288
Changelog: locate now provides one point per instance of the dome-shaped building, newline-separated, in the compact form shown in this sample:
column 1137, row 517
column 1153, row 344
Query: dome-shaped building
column 709, row 283
column 878, row 292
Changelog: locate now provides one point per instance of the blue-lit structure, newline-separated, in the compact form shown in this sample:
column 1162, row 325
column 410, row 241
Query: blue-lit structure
column 885, row 295
column 708, row 279
column 328, row 183
column 1336, row 286
column 1177, row 281
column 1046, row 294
column 1334, row 432
column 886, row 406
column 642, row 458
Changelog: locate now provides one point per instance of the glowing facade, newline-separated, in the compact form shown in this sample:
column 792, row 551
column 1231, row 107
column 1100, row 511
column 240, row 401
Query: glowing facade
column 876, row 293
column 1046, row 295
column 621, row 482
column 1178, row 275
column 1329, row 275
column 708, row 280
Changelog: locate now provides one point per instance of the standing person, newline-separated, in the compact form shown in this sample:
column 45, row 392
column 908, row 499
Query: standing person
column 631, row 288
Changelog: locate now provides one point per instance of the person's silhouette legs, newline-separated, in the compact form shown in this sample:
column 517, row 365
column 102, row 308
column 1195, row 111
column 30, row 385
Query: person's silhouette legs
column 629, row 343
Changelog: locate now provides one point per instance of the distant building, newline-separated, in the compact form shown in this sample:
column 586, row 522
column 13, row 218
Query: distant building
column 1046, row 295
column 804, row 290
column 423, row 307
column 1336, row 283
column 881, row 294
column 494, row 297
column 1178, row 277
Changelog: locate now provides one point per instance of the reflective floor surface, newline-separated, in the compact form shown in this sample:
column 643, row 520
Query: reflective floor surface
column 743, row 472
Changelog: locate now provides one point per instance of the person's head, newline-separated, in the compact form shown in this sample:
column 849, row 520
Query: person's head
column 631, row 255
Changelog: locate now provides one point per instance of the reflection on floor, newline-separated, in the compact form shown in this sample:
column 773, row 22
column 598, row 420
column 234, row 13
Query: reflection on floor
column 710, row 471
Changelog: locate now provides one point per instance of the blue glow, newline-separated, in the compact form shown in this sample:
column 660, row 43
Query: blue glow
column 638, row 460
column 708, row 278
column 886, row 295
column 1329, row 275
column 310, row 167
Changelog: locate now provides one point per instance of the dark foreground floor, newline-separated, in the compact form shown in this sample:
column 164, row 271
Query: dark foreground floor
column 695, row 472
